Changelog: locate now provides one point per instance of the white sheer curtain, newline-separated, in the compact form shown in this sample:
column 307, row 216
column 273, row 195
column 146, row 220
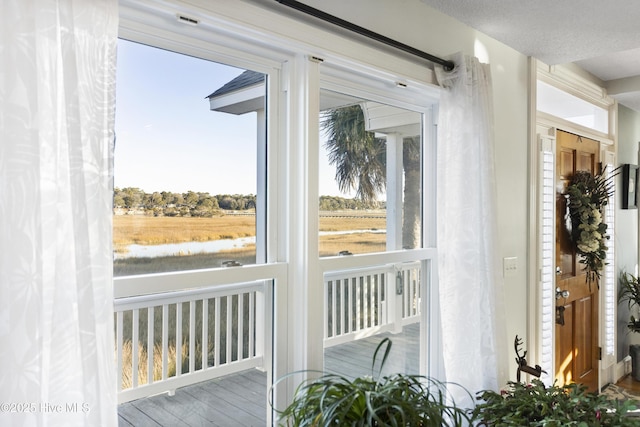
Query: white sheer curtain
column 57, row 89
column 470, row 281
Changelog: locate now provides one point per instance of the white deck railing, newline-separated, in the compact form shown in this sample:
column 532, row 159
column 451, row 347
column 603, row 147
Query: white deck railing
column 169, row 339
column 365, row 302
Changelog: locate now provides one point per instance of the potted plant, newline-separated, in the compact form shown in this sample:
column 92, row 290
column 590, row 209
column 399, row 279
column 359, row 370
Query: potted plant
column 397, row 400
column 630, row 293
column 535, row 404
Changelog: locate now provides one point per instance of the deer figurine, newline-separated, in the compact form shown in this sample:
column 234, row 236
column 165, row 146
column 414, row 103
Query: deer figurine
column 522, row 362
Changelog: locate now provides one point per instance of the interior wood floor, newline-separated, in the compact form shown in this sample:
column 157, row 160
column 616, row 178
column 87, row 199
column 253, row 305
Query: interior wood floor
column 628, row 383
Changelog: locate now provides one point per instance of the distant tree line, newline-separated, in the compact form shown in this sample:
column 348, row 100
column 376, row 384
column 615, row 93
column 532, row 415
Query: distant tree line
column 334, row 203
column 191, row 203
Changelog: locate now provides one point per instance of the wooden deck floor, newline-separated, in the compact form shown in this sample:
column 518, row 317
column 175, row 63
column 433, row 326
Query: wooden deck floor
column 240, row 399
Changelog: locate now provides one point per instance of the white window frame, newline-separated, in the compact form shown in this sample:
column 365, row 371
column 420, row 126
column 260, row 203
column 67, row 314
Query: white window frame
column 150, row 27
column 348, row 79
column 243, row 35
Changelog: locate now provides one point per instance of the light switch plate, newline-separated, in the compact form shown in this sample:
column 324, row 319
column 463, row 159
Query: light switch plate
column 510, row 266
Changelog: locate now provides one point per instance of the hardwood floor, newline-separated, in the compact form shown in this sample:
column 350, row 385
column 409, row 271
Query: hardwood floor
column 628, row 383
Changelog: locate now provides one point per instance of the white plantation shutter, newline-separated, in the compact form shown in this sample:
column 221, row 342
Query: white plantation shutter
column 547, row 255
column 608, row 285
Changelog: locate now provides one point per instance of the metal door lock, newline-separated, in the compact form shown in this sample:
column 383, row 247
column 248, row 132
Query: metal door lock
column 562, row 293
column 560, row 315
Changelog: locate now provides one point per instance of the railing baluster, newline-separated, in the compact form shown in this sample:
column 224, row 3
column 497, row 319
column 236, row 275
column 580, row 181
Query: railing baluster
column 178, row 339
column 260, row 319
column 371, row 280
column 347, row 284
column 412, row 285
column 341, row 315
column 217, row 350
column 406, row 294
column 120, row 344
column 416, row 284
column 228, row 340
column 240, row 333
column 192, row 336
column 366, row 299
column 358, row 303
column 411, row 293
column 205, row 333
column 414, row 293
column 135, row 344
column 381, row 291
column 325, row 311
column 372, row 300
column 165, row 341
column 252, row 320
column 376, row 302
column 150, row 343
column 334, row 320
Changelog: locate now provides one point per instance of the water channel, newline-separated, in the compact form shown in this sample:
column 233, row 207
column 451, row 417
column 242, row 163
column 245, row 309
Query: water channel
column 212, row 246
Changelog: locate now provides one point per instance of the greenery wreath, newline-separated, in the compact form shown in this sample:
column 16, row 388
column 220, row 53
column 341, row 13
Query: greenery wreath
column 587, row 195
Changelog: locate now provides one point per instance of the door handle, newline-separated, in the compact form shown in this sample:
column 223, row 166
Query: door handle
column 560, row 315
column 561, row 293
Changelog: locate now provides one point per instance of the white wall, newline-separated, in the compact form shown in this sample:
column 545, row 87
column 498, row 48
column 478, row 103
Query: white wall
column 626, row 232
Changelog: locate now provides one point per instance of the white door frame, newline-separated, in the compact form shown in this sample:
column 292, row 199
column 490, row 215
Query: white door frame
column 542, row 136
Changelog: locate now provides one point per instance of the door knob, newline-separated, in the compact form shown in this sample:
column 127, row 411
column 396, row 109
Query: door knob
column 562, row 293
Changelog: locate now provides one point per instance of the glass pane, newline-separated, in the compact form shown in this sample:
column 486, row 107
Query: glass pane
column 370, row 176
column 222, row 336
column 556, row 102
column 186, row 161
column 366, row 306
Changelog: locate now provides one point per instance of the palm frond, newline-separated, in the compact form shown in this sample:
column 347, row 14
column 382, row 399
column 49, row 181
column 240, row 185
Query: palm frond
column 359, row 157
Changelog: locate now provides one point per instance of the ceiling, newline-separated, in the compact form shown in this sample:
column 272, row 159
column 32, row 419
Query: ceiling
column 601, row 37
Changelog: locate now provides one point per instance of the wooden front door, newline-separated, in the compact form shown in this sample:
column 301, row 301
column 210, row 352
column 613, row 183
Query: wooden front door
column 577, row 351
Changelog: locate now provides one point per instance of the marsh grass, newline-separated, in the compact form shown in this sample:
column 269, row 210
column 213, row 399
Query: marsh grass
column 150, row 230
column 146, row 230
column 143, row 265
column 357, row 243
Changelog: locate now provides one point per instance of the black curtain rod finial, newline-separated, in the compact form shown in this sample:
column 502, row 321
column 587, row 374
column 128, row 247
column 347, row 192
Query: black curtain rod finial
column 447, row 65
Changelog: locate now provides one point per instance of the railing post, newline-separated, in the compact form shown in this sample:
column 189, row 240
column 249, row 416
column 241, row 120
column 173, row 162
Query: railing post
column 393, row 301
column 260, row 323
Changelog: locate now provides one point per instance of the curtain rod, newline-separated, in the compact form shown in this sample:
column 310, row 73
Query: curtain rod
column 448, row 65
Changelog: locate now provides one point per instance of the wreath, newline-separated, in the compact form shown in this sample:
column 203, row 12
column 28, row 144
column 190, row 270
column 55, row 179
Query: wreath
column 587, row 195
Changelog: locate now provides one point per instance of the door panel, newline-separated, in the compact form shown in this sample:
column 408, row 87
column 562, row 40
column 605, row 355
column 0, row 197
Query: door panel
column 582, row 330
column 564, row 348
column 576, row 339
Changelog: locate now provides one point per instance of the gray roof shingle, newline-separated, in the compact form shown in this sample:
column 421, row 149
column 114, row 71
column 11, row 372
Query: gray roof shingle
column 246, row 79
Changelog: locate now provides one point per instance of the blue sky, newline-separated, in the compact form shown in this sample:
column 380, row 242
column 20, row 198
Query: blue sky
column 167, row 139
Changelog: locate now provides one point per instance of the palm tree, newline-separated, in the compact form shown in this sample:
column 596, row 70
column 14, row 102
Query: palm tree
column 411, row 164
column 359, row 157
column 360, row 161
